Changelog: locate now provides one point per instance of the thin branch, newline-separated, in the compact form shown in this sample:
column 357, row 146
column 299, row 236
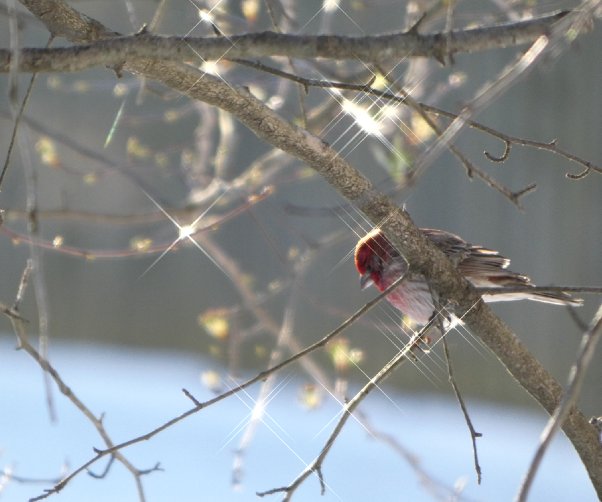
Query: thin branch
column 402, row 97
column 103, row 474
column 315, row 467
column 35, row 263
column 548, row 43
column 22, row 285
column 249, row 301
column 437, row 488
column 576, row 376
column 10, row 312
column 471, row 169
column 190, row 212
column 18, row 115
column 267, row 386
column 473, row 433
column 9, row 476
column 145, row 248
column 106, row 163
column 114, row 449
column 48, row 369
column 287, row 25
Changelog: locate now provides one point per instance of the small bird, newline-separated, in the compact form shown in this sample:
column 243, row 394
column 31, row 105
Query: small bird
column 380, row 264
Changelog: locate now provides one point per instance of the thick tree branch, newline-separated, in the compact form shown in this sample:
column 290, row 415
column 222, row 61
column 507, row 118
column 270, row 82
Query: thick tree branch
column 423, row 257
column 113, row 51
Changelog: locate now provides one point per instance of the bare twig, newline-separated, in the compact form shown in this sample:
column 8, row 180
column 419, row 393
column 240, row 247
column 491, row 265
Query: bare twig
column 576, row 376
column 473, row 433
column 145, row 248
column 281, row 25
column 10, row 476
column 248, row 298
column 114, row 449
column 315, row 467
column 286, row 330
column 402, row 97
column 18, row 115
column 32, row 205
column 471, row 169
column 547, row 43
column 10, row 312
column 48, row 369
column 22, row 285
column 437, row 488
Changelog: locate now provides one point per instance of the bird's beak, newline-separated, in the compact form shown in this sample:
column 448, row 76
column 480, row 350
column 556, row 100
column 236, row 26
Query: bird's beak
column 366, row 281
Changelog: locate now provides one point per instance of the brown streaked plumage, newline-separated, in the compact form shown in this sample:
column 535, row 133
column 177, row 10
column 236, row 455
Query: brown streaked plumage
column 379, row 263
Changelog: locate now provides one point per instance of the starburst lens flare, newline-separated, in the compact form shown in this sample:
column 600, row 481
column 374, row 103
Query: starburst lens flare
column 362, row 118
column 206, row 16
column 210, row 67
column 185, row 231
column 330, row 5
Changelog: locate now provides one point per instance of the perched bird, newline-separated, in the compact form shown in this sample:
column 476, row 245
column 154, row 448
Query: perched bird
column 380, row 264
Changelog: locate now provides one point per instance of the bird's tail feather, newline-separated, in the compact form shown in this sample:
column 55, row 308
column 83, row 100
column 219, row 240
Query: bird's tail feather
column 555, row 298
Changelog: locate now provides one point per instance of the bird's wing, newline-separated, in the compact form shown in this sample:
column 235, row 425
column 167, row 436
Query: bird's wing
column 479, row 264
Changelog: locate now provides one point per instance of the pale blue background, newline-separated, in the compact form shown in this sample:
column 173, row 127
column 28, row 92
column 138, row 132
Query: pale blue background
column 139, row 390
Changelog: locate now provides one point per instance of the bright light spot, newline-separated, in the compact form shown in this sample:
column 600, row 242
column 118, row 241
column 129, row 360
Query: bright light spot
column 380, row 81
column 90, row 178
column 215, row 324
column 421, row 128
column 185, row 231
column 356, row 356
column 258, row 92
column 456, row 79
column 211, row 380
column 258, row 410
column 460, row 484
column 140, row 243
column 330, row 5
column 46, row 149
column 275, row 102
column 206, row 16
column 54, row 82
column 210, row 67
column 81, row 86
column 454, row 322
column 120, row 90
column 390, row 111
column 250, row 9
column 362, row 117
column 310, row 397
column 135, row 148
column 260, row 351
